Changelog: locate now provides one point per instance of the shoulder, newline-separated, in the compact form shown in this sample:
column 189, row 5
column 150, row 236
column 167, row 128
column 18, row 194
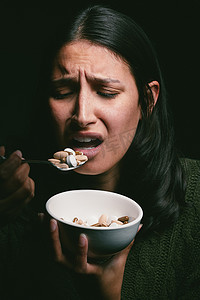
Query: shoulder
column 190, row 215
column 191, row 169
column 191, row 166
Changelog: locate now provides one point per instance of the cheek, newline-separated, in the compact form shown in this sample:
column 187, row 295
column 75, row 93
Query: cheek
column 58, row 112
column 125, row 119
column 121, row 134
column 122, row 131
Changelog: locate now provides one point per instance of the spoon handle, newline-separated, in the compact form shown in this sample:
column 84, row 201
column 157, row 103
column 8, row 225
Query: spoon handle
column 29, row 161
column 46, row 162
column 2, row 159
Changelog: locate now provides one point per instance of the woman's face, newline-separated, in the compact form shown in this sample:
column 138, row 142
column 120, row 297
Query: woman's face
column 94, row 104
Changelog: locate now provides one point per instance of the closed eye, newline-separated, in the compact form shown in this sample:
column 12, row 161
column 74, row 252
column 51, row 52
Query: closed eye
column 63, row 88
column 59, row 96
column 107, row 95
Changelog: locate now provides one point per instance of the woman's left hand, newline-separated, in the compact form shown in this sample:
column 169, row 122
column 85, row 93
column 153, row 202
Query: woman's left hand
column 109, row 276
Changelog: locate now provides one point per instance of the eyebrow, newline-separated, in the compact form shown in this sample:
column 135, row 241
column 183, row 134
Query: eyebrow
column 100, row 80
column 105, row 80
column 63, row 80
column 68, row 78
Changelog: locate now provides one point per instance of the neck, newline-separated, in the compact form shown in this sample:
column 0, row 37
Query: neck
column 106, row 181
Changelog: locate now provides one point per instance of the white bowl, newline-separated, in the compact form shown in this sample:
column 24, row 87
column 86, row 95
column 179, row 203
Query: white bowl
column 86, row 203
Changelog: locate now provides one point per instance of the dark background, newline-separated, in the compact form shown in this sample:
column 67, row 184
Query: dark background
column 173, row 27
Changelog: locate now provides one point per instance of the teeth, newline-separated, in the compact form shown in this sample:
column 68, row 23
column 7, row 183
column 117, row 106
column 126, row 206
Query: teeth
column 84, row 139
column 87, row 148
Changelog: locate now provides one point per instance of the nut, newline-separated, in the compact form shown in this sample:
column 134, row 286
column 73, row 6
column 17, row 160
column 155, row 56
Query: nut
column 54, row 161
column 103, row 219
column 81, row 157
column 68, row 158
column 80, row 222
column 123, row 219
column 117, row 222
column 60, row 155
column 63, row 166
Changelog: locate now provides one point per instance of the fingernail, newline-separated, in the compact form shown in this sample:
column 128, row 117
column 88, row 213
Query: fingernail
column 140, row 226
column 82, row 240
column 53, row 225
column 41, row 217
column 18, row 152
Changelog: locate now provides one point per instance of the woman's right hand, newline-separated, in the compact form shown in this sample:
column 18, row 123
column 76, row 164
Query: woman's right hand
column 16, row 187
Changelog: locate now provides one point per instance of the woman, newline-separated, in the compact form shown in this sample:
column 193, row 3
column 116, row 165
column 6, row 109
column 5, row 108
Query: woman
column 106, row 97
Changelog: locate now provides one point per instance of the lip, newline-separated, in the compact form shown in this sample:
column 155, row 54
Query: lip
column 89, row 152
column 92, row 135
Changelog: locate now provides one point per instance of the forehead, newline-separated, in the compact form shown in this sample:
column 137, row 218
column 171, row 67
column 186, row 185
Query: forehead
column 92, row 58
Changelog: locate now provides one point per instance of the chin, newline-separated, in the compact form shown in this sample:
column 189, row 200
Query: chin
column 90, row 169
column 87, row 171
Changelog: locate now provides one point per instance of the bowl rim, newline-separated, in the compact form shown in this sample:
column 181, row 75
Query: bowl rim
column 70, row 223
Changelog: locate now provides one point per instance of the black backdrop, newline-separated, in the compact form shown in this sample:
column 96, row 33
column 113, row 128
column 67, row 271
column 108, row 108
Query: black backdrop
column 173, row 27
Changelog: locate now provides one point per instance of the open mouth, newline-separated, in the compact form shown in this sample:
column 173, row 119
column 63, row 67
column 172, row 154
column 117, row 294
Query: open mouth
column 86, row 142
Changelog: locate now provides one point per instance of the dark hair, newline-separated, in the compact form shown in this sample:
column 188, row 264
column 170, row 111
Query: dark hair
column 156, row 180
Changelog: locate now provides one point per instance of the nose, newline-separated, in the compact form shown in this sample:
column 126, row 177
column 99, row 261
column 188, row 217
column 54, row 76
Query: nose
column 84, row 112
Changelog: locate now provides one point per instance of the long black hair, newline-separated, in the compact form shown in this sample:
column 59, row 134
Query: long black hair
column 155, row 177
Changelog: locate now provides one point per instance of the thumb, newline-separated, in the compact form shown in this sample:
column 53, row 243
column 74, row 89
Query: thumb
column 2, row 150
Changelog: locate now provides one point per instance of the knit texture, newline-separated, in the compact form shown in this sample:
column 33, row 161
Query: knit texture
column 160, row 266
column 167, row 266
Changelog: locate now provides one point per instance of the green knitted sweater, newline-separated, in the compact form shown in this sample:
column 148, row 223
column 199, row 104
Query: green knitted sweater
column 160, row 266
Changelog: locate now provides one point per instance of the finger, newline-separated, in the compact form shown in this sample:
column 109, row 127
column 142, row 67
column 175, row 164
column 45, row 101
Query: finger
column 140, row 226
column 41, row 217
column 10, row 165
column 55, row 239
column 16, row 180
column 84, row 267
column 81, row 257
column 19, row 198
column 81, row 264
column 57, row 248
column 2, row 150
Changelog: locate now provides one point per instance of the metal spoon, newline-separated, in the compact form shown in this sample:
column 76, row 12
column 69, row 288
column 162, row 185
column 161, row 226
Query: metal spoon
column 46, row 162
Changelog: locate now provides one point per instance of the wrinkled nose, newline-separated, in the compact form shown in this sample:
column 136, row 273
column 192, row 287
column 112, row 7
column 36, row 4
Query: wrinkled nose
column 84, row 111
